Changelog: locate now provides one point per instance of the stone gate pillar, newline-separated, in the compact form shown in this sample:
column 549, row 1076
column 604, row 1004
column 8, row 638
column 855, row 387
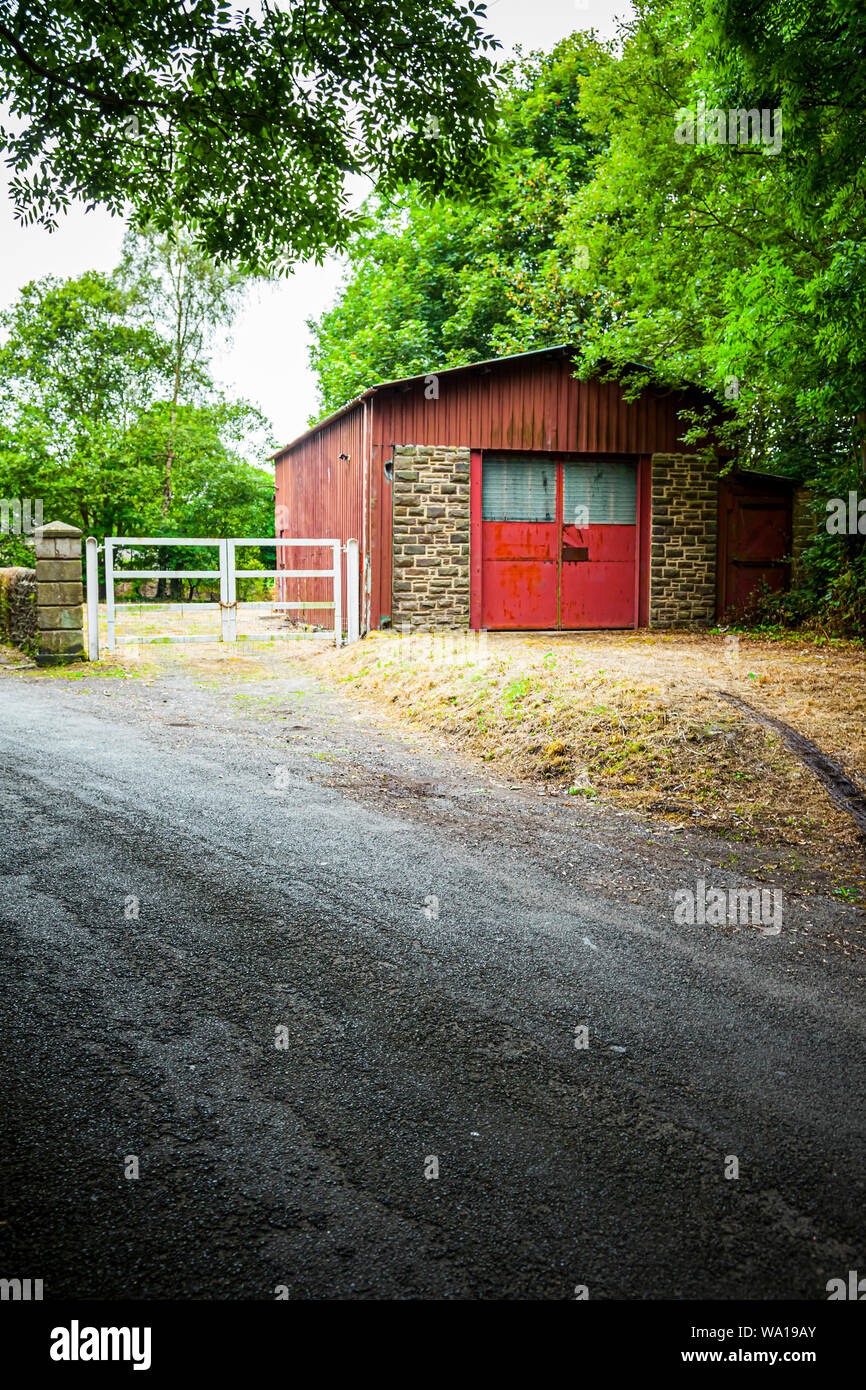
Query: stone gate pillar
column 59, row 594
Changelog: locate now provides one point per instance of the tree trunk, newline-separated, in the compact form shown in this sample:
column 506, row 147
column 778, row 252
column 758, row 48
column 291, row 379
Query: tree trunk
column 169, row 456
column 161, row 584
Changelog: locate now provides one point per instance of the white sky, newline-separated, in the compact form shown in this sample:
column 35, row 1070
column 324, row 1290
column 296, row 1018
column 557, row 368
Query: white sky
column 267, row 360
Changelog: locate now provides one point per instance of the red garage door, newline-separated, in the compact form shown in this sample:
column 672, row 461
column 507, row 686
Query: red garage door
column 559, row 542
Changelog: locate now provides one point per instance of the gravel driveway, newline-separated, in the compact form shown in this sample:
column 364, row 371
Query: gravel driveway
column 295, row 965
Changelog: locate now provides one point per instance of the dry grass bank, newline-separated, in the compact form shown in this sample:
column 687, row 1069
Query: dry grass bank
column 639, row 719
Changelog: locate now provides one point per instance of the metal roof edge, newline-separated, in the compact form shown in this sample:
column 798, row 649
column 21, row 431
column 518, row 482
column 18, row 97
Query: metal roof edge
column 762, row 473
column 328, row 420
column 485, row 362
column 407, row 380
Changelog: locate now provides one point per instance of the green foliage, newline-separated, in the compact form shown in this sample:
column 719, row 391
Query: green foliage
column 707, row 264
column 729, row 264
column 177, row 291
column 829, row 597
column 105, row 393
column 240, row 124
column 737, row 267
column 73, row 357
column 15, row 552
column 807, row 57
column 438, row 285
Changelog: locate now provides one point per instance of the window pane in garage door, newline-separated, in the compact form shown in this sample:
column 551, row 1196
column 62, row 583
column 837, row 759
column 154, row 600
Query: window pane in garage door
column 599, row 493
column 518, row 489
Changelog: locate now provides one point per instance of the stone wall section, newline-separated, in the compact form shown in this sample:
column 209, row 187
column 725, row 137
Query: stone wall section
column 18, row 608
column 684, row 539
column 430, row 577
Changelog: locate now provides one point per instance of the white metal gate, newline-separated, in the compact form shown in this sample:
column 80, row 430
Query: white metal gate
column 228, row 575
column 334, row 574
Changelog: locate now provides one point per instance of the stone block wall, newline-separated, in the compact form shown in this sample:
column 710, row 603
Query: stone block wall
column 18, row 608
column 684, row 532
column 430, row 578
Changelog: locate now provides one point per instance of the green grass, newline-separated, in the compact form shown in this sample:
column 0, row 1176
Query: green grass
column 88, row 670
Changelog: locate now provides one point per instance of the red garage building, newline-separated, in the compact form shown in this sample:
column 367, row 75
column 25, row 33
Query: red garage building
column 509, row 495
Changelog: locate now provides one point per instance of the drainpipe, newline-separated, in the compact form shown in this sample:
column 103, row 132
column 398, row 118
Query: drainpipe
column 365, row 520
column 367, row 580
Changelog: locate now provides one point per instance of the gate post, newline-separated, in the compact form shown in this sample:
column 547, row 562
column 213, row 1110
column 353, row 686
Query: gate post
column 353, row 591
column 231, row 592
column 338, row 594
column 59, row 617
column 224, row 590
column 92, row 557
column 109, row 592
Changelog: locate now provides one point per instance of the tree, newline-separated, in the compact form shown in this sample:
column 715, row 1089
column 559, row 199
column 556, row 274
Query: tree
column 730, row 264
column 806, row 56
column 88, row 417
column 240, row 125
column 75, row 374
column 738, row 267
column 704, row 262
column 436, row 285
column 179, row 292
column 216, row 492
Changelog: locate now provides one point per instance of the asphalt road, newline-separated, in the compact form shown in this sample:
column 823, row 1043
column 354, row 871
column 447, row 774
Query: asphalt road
column 423, row 944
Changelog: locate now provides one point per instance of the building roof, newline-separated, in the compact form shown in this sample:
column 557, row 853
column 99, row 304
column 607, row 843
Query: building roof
column 559, row 349
column 556, row 350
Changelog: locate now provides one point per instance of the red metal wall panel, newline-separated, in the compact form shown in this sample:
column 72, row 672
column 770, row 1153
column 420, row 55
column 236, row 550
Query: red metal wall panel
column 380, row 523
column 318, row 494
column 644, row 538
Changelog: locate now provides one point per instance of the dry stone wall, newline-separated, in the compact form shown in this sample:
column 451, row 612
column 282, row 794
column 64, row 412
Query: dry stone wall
column 18, row 608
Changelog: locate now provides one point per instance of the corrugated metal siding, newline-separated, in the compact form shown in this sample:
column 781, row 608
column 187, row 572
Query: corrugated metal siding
column 323, row 497
column 535, row 405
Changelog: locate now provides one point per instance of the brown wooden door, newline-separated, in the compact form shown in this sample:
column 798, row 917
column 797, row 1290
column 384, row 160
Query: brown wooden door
column 754, row 539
